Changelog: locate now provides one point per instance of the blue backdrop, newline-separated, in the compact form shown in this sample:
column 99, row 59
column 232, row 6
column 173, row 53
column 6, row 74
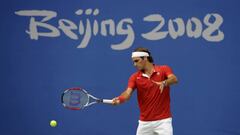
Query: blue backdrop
column 48, row 46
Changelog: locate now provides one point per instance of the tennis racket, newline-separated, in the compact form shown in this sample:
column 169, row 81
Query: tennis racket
column 78, row 98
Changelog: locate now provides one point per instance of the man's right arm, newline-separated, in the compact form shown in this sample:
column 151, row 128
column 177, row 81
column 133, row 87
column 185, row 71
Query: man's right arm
column 125, row 96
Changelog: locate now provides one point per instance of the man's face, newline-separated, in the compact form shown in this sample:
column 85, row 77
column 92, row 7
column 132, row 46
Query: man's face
column 139, row 63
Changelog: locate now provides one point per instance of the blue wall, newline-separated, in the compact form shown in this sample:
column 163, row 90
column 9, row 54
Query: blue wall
column 36, row 66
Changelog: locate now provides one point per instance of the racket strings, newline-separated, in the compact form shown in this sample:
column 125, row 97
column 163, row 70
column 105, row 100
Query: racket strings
column 75, row 99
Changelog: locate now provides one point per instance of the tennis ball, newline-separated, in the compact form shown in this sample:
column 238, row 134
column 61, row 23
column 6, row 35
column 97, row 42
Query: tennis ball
column 53, row 123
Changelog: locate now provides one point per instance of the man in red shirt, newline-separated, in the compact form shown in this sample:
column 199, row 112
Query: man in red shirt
column 153, row 92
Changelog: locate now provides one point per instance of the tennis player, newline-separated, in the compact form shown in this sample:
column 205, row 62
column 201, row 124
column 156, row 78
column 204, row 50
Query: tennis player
column 152, row 83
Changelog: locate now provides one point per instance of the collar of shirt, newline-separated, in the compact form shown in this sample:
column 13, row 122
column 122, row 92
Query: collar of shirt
column 155, row 70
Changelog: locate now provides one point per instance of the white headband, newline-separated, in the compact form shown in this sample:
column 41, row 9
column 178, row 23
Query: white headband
column 139, row 54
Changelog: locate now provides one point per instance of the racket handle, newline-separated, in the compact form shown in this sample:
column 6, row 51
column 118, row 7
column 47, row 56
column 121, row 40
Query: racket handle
column 107, row 101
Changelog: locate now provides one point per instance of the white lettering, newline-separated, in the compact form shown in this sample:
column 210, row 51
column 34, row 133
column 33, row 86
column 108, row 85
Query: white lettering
column 67, row 29
column 212, row 27
column 87, row 36
column 111, row 25
column 180, row 25
column 155, row 34
column 33, row 26
column 129, row 32
column 198, row 28
column 84, row 30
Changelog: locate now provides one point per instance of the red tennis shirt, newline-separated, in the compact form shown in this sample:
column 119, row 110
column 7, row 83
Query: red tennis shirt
column 153, row 104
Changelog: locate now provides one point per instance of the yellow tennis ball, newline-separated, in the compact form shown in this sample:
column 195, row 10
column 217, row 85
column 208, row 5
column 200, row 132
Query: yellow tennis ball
column 53, row 123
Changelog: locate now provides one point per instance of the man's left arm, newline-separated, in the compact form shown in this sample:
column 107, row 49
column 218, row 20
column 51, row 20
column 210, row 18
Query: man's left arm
column 171, row 79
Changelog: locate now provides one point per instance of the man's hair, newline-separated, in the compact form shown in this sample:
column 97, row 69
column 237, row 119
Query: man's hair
column 142, row 49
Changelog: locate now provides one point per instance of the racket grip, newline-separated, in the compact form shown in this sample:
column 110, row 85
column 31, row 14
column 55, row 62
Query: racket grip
column 107, row 101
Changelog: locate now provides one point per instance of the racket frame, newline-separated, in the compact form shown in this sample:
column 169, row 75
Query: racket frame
column 93, row 101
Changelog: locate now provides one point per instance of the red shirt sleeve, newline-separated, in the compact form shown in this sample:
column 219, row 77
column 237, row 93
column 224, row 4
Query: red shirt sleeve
column 167, row 70
column 132, row 81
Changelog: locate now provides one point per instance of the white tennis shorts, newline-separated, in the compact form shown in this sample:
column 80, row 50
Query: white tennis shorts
column 159, row 127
